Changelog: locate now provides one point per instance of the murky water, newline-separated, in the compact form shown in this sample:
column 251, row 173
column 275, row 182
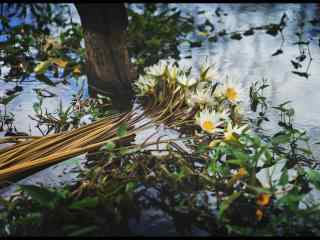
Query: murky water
column 249, row 59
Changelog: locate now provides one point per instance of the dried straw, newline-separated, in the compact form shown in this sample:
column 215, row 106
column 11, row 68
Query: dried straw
column 38, row 152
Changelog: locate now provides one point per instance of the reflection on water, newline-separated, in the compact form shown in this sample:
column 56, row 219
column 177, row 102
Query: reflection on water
column 249, row 59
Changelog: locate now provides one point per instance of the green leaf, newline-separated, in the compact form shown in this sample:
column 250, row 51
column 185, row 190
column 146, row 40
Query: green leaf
column 122, row 130
column 42, row 195
column 241, row 156
column 238, row 162
column 284, row 179
column 314, row 178
column 281, row 139
column 227, row 202
column 109, row 146
column 292, row 199
column 88, row 202
column 130, row 186
column 202, row 148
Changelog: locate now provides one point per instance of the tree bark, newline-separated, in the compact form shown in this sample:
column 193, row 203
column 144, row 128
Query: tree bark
column 107, row 61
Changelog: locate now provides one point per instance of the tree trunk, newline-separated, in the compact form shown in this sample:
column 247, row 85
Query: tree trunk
column 107, row 61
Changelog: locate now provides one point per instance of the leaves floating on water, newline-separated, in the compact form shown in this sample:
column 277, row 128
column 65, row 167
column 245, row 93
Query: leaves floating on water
column 213, row 39
column 249, row 32
column 296, row 64
column 236, row 36
column 222, row 32
column 301, row 57
column 278, row 52
column 273, row 29
column 301, row 74
column 196, row 44
column 43, row 78
column 218, row 11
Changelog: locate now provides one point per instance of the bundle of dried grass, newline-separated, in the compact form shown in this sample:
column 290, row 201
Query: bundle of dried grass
column 37, row 152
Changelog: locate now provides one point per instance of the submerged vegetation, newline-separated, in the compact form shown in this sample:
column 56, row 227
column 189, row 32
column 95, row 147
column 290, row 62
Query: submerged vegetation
column 223, row 174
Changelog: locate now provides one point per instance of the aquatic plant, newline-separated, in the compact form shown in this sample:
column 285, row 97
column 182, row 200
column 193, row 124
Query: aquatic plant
column 209, row 178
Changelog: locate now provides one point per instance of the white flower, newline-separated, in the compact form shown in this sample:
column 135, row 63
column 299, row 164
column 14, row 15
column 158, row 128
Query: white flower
column 229, row 134
column 186, row 81
column 225, row 114
column 209, row 121
column 201, row 96
column 233, row 91
column 208, row 73
column 157, row 69
column 172, row 71
column 218, row 92
column 145, row 84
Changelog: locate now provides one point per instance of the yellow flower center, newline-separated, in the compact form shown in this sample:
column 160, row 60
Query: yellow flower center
column 231, row 94
column 208, row 126
column 263, row 199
